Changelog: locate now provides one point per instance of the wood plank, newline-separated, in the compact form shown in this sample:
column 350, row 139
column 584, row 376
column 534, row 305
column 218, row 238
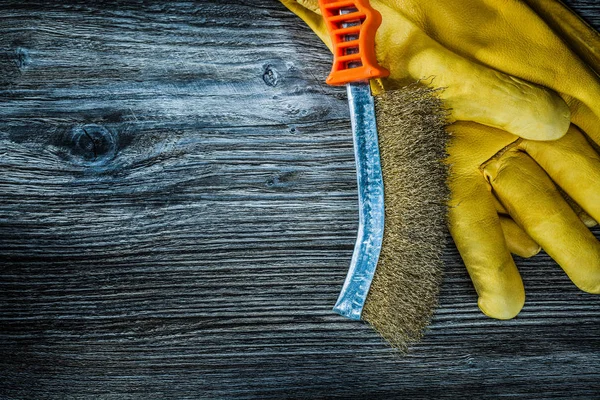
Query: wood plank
column 178, row 210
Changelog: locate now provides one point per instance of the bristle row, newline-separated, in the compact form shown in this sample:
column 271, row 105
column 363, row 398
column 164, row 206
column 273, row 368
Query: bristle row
column 412, row 139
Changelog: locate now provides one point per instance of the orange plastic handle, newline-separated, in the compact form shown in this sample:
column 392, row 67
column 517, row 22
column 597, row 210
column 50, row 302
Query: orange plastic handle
column 352, row 25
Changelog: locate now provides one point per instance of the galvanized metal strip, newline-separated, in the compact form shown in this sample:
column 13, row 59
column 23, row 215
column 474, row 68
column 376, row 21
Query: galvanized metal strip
column 370, row 199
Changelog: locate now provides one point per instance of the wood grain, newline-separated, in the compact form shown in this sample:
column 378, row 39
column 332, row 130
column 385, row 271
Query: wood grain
column 178, row 210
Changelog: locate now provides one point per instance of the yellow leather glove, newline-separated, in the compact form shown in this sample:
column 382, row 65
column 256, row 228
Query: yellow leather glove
column 496, row 60
column 488, row 166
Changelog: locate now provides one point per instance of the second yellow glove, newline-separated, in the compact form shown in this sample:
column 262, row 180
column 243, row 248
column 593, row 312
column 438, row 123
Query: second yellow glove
column 488, row 166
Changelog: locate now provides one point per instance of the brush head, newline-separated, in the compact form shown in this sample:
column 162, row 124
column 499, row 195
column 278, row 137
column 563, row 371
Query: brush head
column 412, row 141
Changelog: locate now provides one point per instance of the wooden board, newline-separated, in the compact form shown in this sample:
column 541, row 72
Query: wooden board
column 178, row 211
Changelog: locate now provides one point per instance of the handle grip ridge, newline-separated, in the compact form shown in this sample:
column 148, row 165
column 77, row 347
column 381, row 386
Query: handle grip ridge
column 352, row 25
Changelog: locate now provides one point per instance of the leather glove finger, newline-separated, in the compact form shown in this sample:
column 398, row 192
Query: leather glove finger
column 476, row 230
column 535, row 204
column 584, row 118
column 474, row 223
column 573, row 164
column 517, row 240
column 583, row 216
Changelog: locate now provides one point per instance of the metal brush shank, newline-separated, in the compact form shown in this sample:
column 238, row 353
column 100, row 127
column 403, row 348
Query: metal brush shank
column 370, row 203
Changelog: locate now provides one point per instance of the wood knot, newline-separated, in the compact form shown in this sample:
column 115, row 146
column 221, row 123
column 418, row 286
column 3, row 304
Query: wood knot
column 13, row 63
column 22, row 58
column 283, row 180
column 270, row 75
column 93, row 144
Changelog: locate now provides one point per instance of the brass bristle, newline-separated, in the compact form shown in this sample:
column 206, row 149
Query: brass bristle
column 412, row 139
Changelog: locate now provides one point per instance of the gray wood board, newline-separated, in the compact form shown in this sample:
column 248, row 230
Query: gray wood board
column 178, row 209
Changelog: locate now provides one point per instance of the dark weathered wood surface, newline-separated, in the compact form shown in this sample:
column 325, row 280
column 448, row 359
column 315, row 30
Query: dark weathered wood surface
column 178, row 211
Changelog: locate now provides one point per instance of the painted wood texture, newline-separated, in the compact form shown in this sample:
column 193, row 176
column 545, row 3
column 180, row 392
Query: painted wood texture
column 178, row 211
